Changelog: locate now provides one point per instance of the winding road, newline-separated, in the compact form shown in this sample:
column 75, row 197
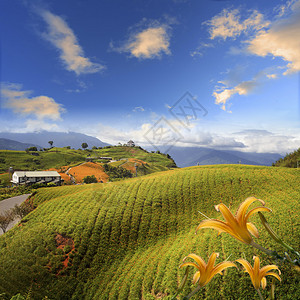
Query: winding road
column 9, row 203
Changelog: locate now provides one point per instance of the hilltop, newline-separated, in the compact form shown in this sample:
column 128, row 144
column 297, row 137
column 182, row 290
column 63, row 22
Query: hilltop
column 125, row 240
column 62, row 159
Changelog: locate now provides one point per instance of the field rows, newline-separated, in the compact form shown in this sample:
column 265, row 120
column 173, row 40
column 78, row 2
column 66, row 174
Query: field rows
column 131, row 236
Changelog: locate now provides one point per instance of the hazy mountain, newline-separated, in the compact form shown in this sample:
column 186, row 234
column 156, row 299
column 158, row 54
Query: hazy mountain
column 191, row 156
column 60, row 139
column 7, row 144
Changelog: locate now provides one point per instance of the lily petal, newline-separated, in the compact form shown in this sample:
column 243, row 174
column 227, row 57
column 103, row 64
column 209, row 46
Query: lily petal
column 189, row 264
column 196, row 277
column 219, row 268
column 268, row 268
column 252, row 229
column 274, row 275
column 229, row 217
column 247, row 267
column 211, row 262
column 220, row 226
column 240, row 214
column 255, row 210
column 199, row 260
column 263, row 282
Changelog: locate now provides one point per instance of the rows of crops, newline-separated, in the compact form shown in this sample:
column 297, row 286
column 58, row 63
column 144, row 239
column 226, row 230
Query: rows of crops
column 131, row 236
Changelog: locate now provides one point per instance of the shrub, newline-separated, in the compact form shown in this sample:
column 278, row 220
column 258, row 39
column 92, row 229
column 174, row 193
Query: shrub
column 90, row 179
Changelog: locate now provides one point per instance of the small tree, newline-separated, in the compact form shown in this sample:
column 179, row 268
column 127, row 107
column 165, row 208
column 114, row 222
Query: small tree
column 84, row 145
column 22, row 210
column 5, row 219
column 32, row 148
column 90, row 179
column 50, row 143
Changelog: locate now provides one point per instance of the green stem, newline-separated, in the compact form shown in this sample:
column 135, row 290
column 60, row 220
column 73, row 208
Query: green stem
column 259, row 247
column 196, row 290
column 259, row 294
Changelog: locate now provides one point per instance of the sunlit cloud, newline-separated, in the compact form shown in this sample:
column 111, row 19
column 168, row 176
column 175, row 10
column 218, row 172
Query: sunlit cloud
column 281, row 40
column 61, row 36
column 230, row 87
column 147, row 43
column 228, row 24
column 20, row 102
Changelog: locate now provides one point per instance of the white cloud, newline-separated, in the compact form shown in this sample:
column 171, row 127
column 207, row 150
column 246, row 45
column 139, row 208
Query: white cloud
column 148, row 43
column 38, row 125
column 281, row 40
column 21, row 103
column 63, row 38
column 200, row 49
column 261, row 141
column 227, row 24
column 138, row 108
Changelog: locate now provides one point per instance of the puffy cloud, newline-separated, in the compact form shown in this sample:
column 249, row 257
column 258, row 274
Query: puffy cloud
column 148, row 43
column 20, row 102
column 227, row 24
column 261, row 141
column 281, row 40
column 63, row 38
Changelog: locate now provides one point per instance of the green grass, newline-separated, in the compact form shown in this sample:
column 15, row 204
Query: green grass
column 131, row 236
column 58, row 157
column 20, row 160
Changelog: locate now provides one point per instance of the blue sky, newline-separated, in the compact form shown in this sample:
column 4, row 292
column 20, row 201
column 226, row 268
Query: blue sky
column 113, row 69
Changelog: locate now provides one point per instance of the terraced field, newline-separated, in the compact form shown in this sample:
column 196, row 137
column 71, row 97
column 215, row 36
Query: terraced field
column 125, row 240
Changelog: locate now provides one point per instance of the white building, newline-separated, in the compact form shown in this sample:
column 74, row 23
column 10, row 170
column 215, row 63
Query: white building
column 30, row 177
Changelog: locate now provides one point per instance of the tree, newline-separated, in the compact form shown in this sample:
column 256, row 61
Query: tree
column 31, row 149
column 90, row 179
column 5, row 219
column 84, row 145
column 21, row 211
column 50, row 143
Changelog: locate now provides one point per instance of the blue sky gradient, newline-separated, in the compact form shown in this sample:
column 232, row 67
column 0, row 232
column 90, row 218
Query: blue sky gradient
column 112, row 69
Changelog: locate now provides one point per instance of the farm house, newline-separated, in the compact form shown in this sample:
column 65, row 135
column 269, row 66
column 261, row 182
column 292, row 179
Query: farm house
column 31, row 177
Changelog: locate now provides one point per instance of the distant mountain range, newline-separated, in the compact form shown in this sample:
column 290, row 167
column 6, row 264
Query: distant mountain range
column 60, row 139
column 183, row 156
column 192, row 156
column 6, row 144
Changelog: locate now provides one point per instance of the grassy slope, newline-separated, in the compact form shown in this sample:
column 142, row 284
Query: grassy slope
column 57, row 157
column 131, row 236
column 290, row 160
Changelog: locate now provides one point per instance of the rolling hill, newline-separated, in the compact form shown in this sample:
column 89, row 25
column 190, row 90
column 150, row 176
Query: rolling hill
column 62, row 159
column 291, row 160
column 125, row 240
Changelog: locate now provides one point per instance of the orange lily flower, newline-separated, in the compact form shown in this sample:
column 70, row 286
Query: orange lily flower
column 238, row 225
column 205, row 271
column 257, row 275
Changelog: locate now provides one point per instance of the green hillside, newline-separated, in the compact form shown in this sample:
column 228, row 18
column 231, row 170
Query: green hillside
column 58, row 157
column 125, row 240
column 291, row 160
